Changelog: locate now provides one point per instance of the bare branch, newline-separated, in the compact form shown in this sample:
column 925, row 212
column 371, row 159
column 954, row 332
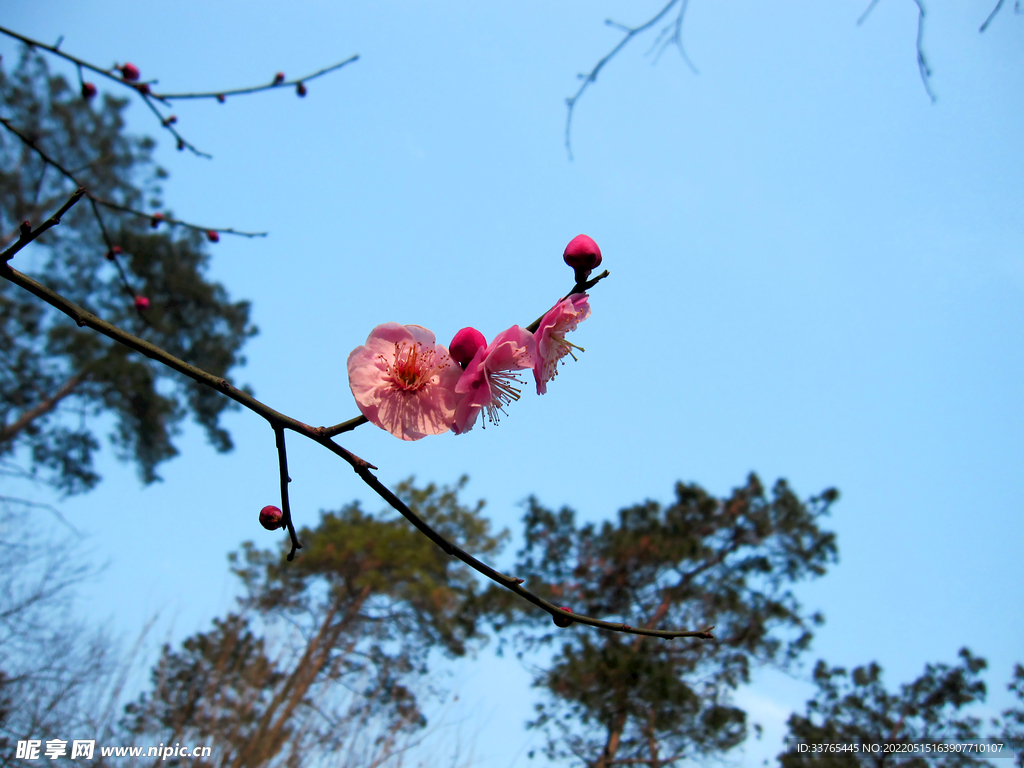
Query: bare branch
column 922, row 62
column 629, row 33
column 28, row 234
column 44, row 406
column 1016, row 9
column 50, row 161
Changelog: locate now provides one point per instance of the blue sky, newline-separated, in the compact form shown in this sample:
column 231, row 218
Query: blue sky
column 817, row 274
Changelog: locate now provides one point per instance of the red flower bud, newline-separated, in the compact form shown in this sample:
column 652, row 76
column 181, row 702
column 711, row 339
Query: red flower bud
column 129, row 71
column 213, row 236
column 464, row 346
column 271, row 518
column 220, row 98
column 112, row 253
column 25, row 228
column 583, row 255
column 141, row 303
column 562, row 621
column 300, row 89
column 181, row 144
column 154, row 222
column 88, row 90
column 143, row 88
column 279, row 78
column 170, row 120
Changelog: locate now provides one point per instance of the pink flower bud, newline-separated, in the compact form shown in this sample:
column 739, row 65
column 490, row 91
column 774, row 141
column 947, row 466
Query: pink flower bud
column 25, row 228
column 213, row 236
column 113, row 252
column 143, row 88
column 129, row 71
column 141, row 303
column 465, row 345
column 221, row 98
column 300, row 89
column 279, row 78
column 88, row 90
column 271, row 518
column 154, row 222
column 562, row 621
column 583, row 255
column 170, row 120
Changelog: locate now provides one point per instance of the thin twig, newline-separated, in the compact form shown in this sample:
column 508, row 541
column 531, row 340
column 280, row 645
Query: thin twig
column 28, row 234
column 267, row 87
column 630, row 33
column 991, row 16
column 867, row 12
column 280, row 422
column 46, row 158
column 922, row 62
column 286, row 507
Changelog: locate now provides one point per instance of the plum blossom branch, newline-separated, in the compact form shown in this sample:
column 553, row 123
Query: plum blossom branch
column 144, row 88
column 280, row 422
column 275, row 83
column 663, row 40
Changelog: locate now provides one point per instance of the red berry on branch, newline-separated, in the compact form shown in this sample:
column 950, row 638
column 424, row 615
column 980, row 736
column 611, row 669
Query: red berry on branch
column 583, row 255
column 141, row 303
column 213, row 236
column 129, row 71
column 143, row 88
column 300, row 89
column 113, row 252
column 154, row 222
column 562, row 621
column 88, row 90
column 279, row 78
column 220, row 98
column 271, row 518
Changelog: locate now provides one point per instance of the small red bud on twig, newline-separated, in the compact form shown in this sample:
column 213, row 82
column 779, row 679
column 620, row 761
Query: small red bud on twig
column 154, row 222
column 271, row 518
column 88, row 90
column 25, row 228
column 181, row 144
column 113, row 252
column 143, row 88
column 129, row 71
column 300, row 89
column 583, row 255
column 221, row 98
column 279, row 78
column 170, row 120
column 562, row 621
column 141, row 303
column 213, row 236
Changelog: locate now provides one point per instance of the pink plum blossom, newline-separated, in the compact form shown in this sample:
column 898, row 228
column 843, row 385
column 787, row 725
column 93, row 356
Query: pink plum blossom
column 550, row 337
column 403, row 381
column 489, row 381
